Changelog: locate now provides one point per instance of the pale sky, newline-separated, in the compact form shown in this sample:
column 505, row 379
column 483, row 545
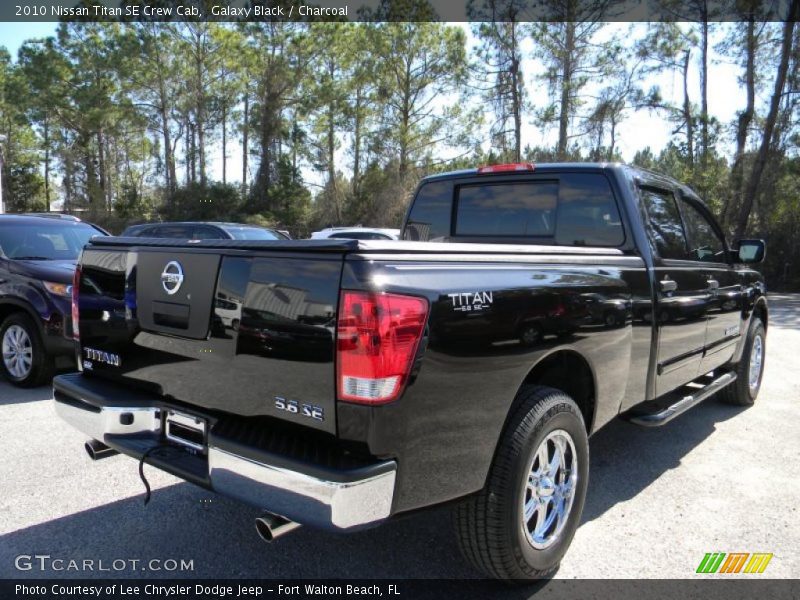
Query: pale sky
column 641, row 129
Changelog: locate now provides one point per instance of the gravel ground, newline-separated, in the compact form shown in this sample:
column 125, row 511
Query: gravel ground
column 718, row 478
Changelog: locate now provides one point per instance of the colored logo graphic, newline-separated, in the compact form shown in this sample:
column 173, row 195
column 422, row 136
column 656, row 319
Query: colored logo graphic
column 735, row 562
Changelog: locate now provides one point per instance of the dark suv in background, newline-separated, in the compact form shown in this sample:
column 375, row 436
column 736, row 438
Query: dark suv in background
column 37, row 262
column 190, row 230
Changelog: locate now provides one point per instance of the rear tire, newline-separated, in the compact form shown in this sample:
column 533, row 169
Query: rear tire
column 750, row 369
column 521, row 524
column 24, row 360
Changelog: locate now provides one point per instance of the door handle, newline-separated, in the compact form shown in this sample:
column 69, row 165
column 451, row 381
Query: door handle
column 668, row 285
column 713, row 284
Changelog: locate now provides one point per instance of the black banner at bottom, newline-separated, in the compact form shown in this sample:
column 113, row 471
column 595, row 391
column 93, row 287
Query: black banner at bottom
column 554, row 589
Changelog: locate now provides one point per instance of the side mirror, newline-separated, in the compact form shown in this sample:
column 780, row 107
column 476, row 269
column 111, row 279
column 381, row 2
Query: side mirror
column 750, row 251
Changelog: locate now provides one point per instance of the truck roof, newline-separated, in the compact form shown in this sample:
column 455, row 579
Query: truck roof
column 538, row 167
column 630, row 170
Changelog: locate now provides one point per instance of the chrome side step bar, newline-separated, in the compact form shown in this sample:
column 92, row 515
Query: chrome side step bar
column 667, row 413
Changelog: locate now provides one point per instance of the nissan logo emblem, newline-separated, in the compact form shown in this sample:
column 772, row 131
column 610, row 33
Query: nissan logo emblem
column 172, row 277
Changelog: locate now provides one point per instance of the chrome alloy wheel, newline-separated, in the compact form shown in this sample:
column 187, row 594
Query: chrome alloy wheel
column 550, row 490
column 17, row 352
column 756, row 359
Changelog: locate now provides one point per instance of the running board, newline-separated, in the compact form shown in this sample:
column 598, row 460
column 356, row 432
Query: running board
column 664, row 414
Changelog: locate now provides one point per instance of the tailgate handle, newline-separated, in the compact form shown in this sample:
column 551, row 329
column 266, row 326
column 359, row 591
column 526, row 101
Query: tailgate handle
column 168, row 314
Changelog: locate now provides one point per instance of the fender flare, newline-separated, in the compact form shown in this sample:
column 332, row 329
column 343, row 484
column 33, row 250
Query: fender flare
column 759, row 305
column 25, row 308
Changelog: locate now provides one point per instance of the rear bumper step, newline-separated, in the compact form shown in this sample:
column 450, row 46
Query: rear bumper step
column 343, row 499
column 664, row 414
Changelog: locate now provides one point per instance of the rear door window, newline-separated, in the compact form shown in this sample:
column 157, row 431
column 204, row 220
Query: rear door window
column 587, row 212
column 429, row 220
column 664, row 227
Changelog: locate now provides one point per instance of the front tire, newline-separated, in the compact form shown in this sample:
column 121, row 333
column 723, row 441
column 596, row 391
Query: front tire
column 749, row 370
column 521, row 524
column 24, row 361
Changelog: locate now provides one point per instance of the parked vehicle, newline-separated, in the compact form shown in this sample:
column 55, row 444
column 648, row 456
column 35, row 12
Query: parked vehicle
column 203, row 231
column 37, row 261
column 356, row 233
column 371, row 378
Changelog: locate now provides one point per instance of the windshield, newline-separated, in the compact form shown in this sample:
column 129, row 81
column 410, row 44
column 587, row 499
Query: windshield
column 50, row 241
column 252, row 233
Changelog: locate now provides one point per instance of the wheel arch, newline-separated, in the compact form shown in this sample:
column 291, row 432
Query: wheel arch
column 10, row 306
column 568, row 371
column 761, row 310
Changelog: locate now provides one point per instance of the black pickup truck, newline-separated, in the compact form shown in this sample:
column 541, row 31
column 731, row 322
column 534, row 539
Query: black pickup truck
column 338, row 383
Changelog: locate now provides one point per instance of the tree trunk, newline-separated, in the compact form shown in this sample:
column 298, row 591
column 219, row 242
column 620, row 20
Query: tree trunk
column 332, row 166
column 111, row 157
column 566, row 85
column 46, row 163
column 357, row 142
column 743, row 126
column 516, row 99
column 769, row 125
column 169, row 161
column 687, row 110
column 704, row 87
column 170, row 176
column 224, row 144
column 612, row 144
column 331, row 142
column 267, row 135
column 405, row 119
column 201, row 150
column 90, row 165
column 245, row 149
column 101, row 167
column 200, row 117
column 192, row 153
column 69, row 169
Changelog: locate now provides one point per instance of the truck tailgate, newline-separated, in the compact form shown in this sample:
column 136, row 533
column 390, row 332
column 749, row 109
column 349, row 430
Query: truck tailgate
column 248, row 333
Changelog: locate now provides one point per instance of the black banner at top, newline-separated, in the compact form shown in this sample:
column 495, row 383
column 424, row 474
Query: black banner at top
column 396, row 10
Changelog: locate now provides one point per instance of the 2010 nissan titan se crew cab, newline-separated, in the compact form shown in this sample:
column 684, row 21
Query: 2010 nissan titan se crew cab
column 338, row 383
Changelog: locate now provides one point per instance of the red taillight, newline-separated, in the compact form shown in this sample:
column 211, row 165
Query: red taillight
column 526, row 166
column 76, row 283
column 377, row 339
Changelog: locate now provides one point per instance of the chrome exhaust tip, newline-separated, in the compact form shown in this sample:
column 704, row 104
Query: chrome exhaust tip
column 97, row 450
column 270, row 527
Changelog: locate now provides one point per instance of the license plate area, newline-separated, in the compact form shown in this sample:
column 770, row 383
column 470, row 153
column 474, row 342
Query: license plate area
column 186, row 430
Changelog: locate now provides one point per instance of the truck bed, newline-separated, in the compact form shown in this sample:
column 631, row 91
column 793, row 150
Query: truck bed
column 343, row 246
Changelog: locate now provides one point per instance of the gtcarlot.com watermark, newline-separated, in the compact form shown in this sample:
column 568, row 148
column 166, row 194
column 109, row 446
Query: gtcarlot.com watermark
column 47, row 563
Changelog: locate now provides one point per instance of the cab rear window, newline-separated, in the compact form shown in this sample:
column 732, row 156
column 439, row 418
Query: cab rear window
column 507, row 209
column 571, row 209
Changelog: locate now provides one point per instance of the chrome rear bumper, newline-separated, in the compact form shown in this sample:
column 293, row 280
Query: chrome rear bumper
column 342, row 501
